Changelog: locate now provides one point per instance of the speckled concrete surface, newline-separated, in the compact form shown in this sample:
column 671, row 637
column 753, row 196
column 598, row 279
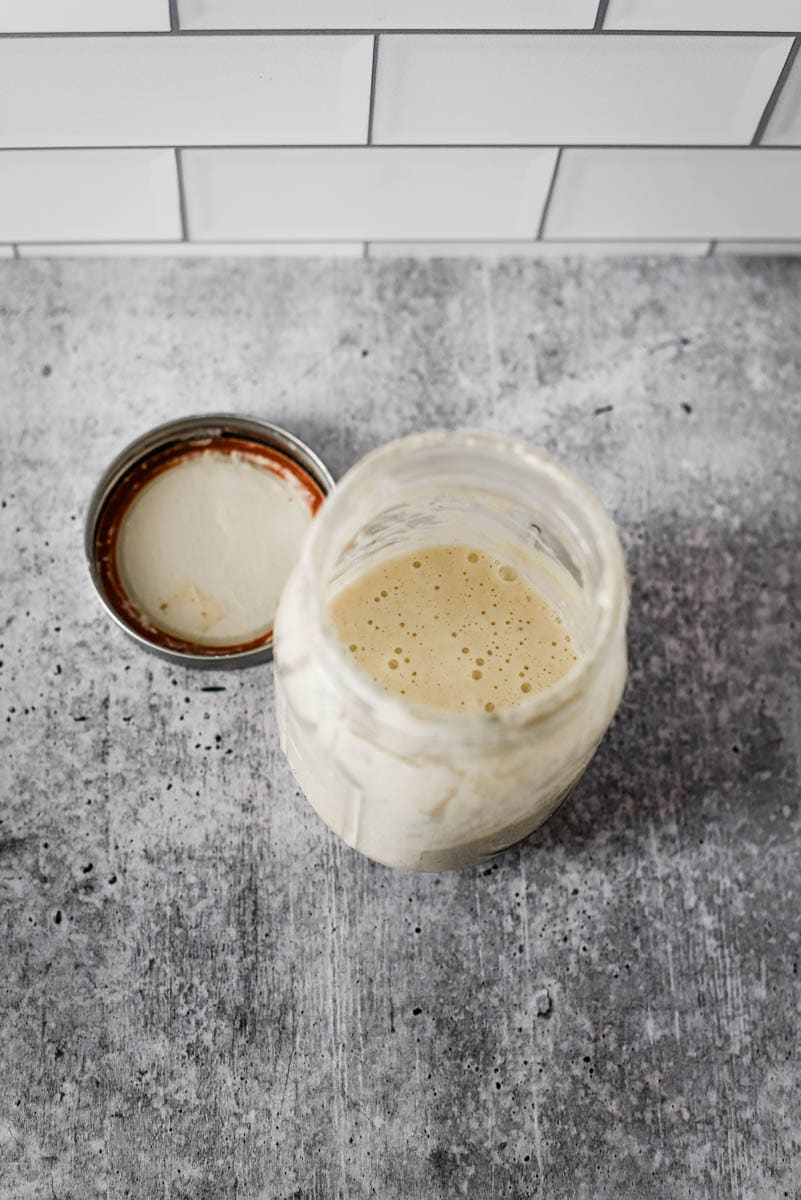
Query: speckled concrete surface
column 202, row 994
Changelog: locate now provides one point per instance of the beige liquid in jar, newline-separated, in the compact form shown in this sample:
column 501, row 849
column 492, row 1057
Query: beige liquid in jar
column 454, row 628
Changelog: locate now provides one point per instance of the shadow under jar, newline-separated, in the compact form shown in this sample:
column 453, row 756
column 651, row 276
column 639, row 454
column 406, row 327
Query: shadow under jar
column 421, row 787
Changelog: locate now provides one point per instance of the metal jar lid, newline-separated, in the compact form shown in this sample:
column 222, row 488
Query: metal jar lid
column 144, row 460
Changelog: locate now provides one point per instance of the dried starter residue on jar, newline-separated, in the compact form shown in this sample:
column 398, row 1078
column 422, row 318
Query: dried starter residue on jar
column 453, row 627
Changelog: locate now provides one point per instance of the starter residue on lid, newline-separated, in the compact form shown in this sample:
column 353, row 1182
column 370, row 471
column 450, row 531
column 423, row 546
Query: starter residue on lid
column 205, row 548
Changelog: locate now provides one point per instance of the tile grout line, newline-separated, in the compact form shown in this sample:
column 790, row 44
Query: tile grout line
column 175, row 23
column 600, row 15
column 538, row 237
column 692, row 146
column 179, row 169
column 569, row 244
column 176, row 243
column 373, row 72
column 402, row 32
column 325, row 241
column 773, row 98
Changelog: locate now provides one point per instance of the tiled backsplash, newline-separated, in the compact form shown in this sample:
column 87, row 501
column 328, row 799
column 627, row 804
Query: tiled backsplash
column 385, row 127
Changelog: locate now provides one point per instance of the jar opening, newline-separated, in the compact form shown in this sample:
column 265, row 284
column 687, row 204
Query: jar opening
column 504, row 497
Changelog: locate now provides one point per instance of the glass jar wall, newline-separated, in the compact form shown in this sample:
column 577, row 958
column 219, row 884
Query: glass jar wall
column 426, row 788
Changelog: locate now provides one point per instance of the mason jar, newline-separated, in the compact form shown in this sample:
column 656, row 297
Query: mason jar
column 425, row 788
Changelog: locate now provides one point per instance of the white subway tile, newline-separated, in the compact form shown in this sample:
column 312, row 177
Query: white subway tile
column 83, row 16
column 184, row 90
column 554, row 89
column 676, row 193
column 193, row 250
column 6, row 251
column 535, row 249
column 365, row 193
column 771, row 249
column 100, row 195
column 784, row 128
column 737, row 16
column 378, row 14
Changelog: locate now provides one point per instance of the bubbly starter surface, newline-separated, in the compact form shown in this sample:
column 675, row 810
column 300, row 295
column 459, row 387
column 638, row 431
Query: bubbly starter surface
column 453, row 627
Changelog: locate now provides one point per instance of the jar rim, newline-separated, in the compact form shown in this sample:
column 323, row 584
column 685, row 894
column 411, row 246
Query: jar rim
column 474, row 727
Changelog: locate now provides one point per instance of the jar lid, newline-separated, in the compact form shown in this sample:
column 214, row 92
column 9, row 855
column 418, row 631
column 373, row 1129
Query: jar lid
column 193, row 530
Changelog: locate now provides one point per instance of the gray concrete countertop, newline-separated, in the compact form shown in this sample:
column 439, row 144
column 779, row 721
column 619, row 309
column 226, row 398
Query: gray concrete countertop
column 202, row 993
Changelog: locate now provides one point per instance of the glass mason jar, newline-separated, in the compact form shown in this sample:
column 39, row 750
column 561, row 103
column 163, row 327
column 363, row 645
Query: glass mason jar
column 423, row 788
